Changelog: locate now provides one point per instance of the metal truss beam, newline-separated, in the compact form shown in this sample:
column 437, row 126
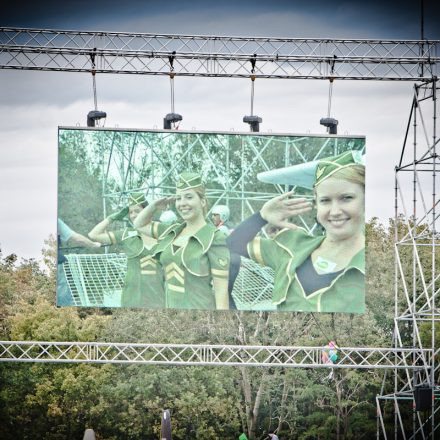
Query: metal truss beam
column 215, row 56
column 203, row 355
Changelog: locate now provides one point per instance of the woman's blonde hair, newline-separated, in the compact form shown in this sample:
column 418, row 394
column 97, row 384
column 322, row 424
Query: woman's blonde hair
column 353, row 173
column 200, row 190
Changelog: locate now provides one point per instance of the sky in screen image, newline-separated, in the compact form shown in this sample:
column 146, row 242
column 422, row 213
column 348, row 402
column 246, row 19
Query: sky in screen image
column 34, row 104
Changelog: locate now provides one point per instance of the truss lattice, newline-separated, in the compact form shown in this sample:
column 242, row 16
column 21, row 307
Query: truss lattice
column 189, row 354
column 214, row 56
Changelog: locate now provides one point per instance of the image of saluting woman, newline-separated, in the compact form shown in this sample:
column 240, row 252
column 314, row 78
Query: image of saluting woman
column 143, row 285
column 324, row 273
column 192, row 252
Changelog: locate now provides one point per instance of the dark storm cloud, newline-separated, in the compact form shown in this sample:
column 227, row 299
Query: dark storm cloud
column 368, row 19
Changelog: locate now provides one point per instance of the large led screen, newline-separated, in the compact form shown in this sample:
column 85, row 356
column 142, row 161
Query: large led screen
column 196, row 220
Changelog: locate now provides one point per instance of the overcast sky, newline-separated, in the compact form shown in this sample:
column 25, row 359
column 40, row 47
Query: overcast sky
column 34, row 104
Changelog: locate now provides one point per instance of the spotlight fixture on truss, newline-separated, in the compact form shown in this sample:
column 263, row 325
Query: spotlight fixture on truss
column 331, row 124
column 93, row 116
column 170, row 119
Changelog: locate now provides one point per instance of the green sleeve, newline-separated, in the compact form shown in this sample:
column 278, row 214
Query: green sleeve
column 264, row 251
column 157, row 229
column 219, row 256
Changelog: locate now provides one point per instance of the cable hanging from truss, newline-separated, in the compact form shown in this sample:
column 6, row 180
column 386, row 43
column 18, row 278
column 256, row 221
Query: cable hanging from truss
column 330, row 123
column 254, row 121
column 95, row 115
column 171, row 119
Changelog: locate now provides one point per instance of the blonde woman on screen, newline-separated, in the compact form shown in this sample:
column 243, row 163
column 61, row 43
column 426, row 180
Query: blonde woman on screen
column 313, row 273
column 192, row 252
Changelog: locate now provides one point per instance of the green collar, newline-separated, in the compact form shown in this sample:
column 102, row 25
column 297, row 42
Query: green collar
column 204, row 236
column 301, row 244
column 358, row 261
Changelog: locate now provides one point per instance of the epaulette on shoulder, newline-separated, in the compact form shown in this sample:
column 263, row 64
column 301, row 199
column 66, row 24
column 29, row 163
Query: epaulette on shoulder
column 219, row 237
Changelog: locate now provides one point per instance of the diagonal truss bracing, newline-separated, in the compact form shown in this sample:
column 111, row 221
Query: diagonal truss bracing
column 217, row 56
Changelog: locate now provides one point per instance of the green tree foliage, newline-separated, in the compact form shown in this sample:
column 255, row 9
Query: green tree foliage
column 79, row 183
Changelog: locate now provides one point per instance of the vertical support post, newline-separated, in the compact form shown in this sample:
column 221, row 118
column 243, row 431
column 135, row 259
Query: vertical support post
column 414, row 250
column 396, row 289
column 434, row 234
column 380, row 420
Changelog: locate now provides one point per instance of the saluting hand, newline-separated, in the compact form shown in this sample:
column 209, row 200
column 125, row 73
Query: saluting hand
column 119, row 215
column 280, row 208
column 163, row 203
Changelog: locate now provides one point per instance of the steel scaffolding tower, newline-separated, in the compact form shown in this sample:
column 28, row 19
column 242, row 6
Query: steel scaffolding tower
column 414, row 358
column 417, row 275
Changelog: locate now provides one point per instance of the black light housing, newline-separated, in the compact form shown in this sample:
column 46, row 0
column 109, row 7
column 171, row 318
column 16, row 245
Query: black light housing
column 93, row 116
column 254, row 122
column 331, row 124
column 171, row 118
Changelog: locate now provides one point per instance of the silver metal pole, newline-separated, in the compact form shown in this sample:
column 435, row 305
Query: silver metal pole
column 433, row 329
column 414, row 262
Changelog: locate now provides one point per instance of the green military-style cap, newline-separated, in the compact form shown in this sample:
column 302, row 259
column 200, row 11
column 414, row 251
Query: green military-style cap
column 189, row 181
column 310, row 174
column 327, row 167
column 137, row 198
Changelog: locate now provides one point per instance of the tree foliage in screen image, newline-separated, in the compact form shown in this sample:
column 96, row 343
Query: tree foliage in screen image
column 79, row 182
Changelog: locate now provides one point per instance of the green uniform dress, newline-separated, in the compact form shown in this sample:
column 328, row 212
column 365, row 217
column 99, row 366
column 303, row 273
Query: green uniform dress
column 286, row 252
column 144, row 280
column 189, row 270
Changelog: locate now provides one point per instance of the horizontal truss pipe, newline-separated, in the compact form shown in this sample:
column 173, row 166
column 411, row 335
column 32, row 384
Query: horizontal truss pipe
column 213, row 56
column 196, row 354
